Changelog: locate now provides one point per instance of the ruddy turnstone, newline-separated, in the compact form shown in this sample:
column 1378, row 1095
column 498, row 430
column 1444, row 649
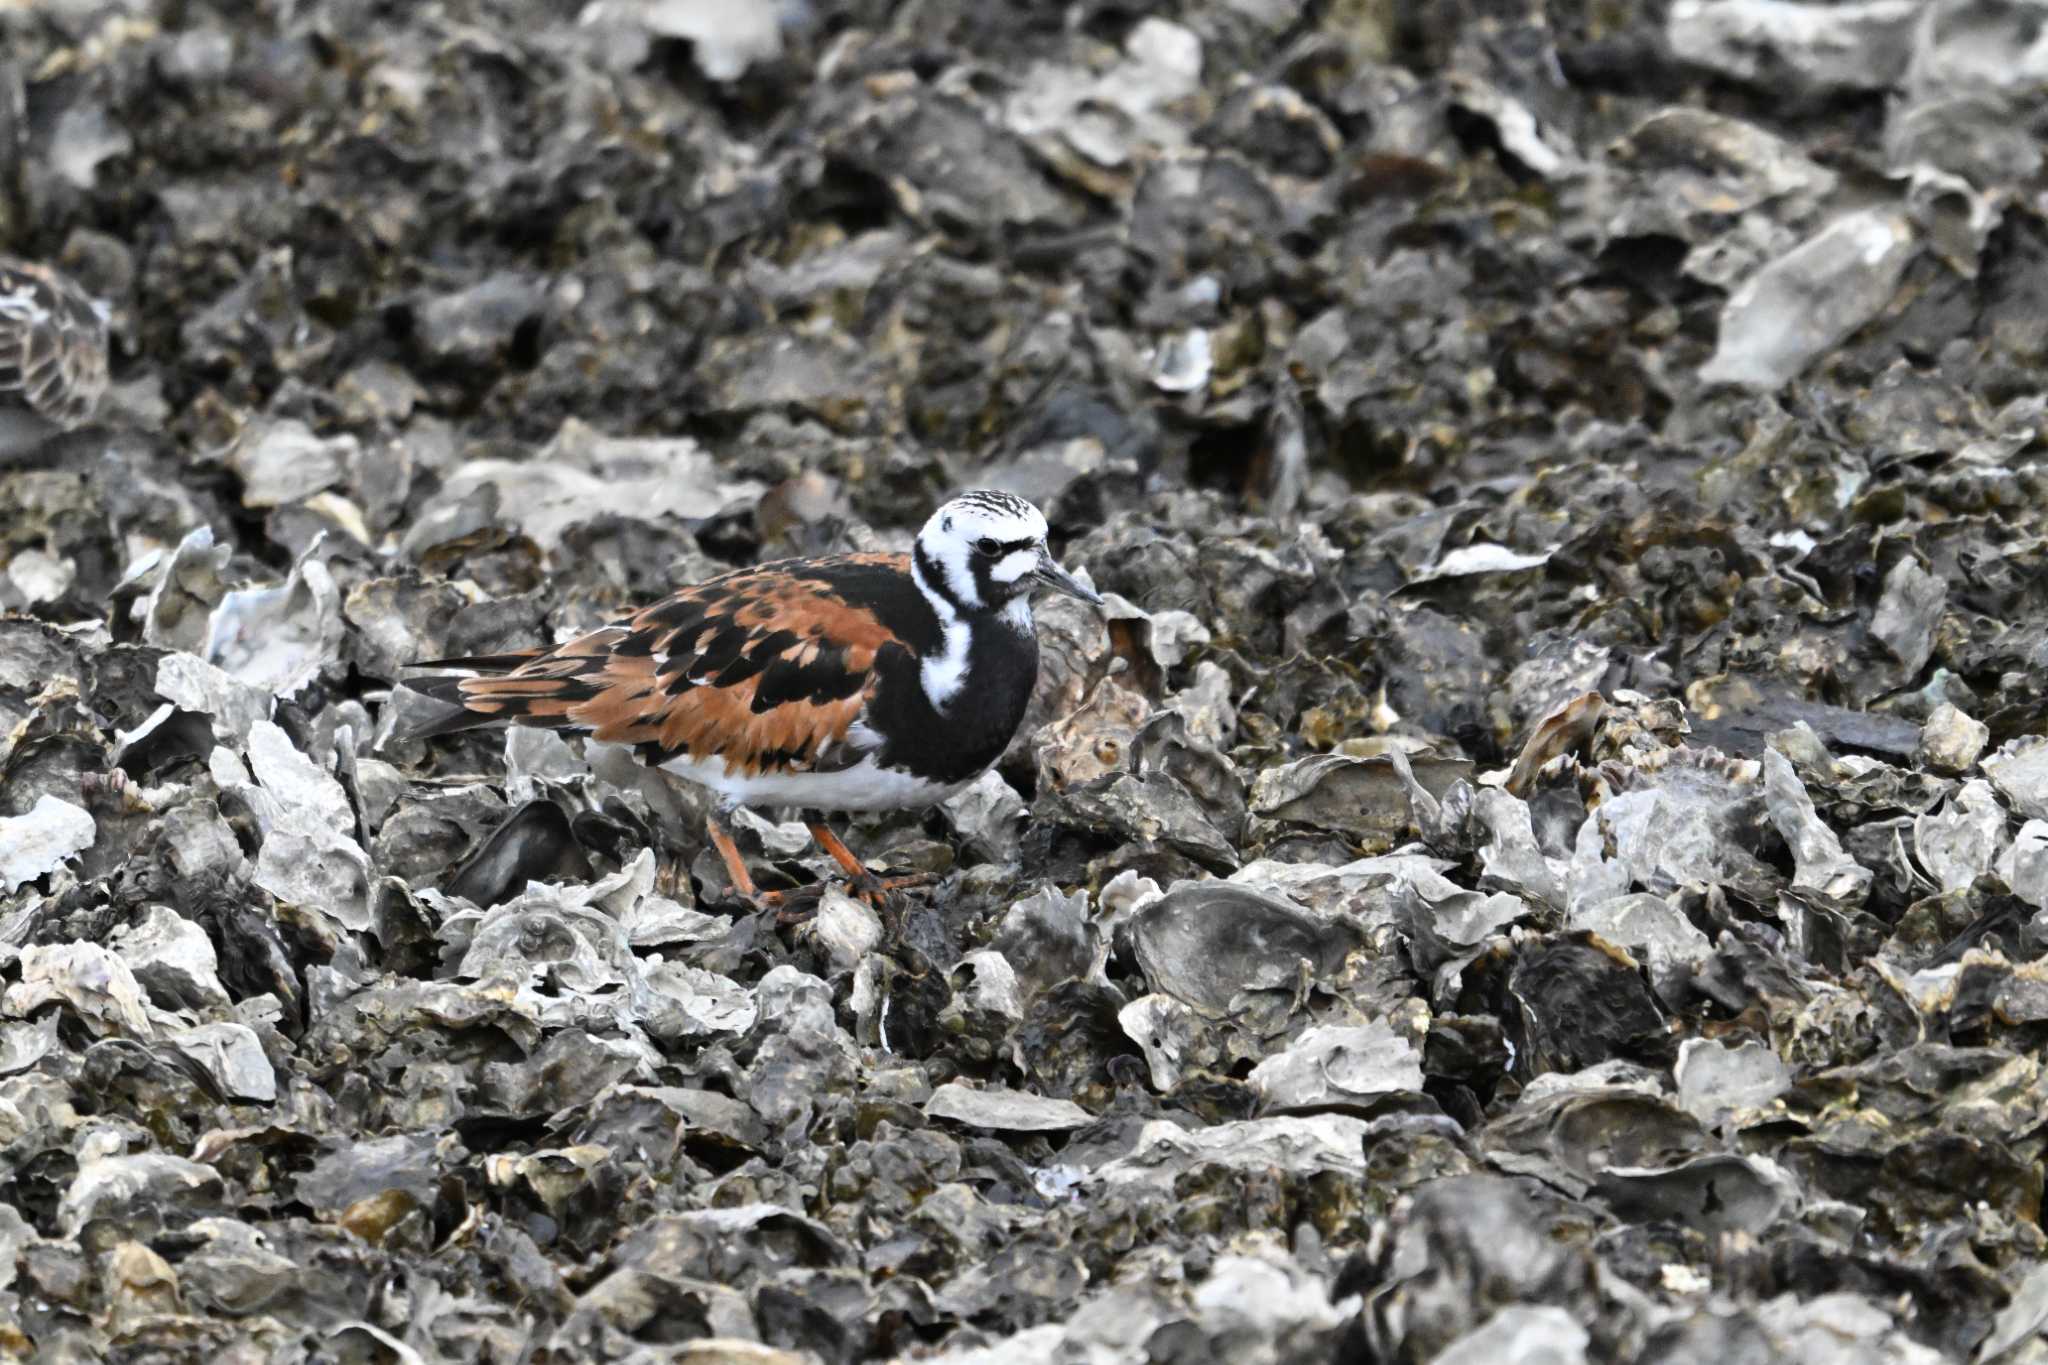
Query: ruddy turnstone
column 857, row 682
column 53, row 353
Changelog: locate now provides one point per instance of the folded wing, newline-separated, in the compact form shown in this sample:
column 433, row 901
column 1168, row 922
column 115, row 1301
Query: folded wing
column 769, row 669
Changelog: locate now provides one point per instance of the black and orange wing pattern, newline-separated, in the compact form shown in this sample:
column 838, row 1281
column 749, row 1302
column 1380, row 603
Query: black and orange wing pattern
column 53, row 343
column 768, row 668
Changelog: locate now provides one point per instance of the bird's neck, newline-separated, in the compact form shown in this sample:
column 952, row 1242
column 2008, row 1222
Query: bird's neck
column 945, row 673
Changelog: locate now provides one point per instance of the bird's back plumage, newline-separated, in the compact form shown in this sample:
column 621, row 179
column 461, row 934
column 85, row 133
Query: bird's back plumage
column 848, row 682
column 765, row 681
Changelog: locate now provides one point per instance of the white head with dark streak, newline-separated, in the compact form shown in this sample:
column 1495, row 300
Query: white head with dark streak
column 985, row 551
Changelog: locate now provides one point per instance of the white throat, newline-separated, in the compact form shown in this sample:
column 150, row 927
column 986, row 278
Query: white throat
column 945, row 672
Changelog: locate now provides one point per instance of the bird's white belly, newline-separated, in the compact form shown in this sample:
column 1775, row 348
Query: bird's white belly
column 864, row 786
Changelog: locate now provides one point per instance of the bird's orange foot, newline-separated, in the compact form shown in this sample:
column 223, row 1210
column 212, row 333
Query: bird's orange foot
column 876, row 891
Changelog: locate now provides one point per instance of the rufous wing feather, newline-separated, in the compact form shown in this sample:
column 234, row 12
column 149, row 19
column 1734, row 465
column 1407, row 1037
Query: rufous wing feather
column 766, row 668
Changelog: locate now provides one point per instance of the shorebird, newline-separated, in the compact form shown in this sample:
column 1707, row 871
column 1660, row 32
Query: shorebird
column 859, row 682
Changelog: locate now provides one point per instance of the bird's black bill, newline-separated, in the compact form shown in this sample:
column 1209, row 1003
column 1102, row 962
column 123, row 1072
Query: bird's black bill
column 1051, row 575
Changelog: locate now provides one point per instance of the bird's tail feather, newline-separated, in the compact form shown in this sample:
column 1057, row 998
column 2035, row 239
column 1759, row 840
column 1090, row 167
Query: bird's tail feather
column 448, row 690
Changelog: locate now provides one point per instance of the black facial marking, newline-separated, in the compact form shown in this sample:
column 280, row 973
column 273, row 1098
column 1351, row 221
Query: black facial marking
column 935, row 578
column 995, row 594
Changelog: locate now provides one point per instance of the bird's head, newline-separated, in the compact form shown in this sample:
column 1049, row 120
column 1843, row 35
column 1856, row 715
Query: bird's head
column 985, row 550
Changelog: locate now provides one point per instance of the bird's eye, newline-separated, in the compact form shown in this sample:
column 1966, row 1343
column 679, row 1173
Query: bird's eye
column 987, row 546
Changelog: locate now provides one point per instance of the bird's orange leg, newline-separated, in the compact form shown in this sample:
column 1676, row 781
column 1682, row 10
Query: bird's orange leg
column 833, row 845
column 735, row 865
column 866, row 884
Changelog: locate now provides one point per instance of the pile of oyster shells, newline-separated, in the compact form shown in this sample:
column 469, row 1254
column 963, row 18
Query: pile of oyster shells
column 1543, row 858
